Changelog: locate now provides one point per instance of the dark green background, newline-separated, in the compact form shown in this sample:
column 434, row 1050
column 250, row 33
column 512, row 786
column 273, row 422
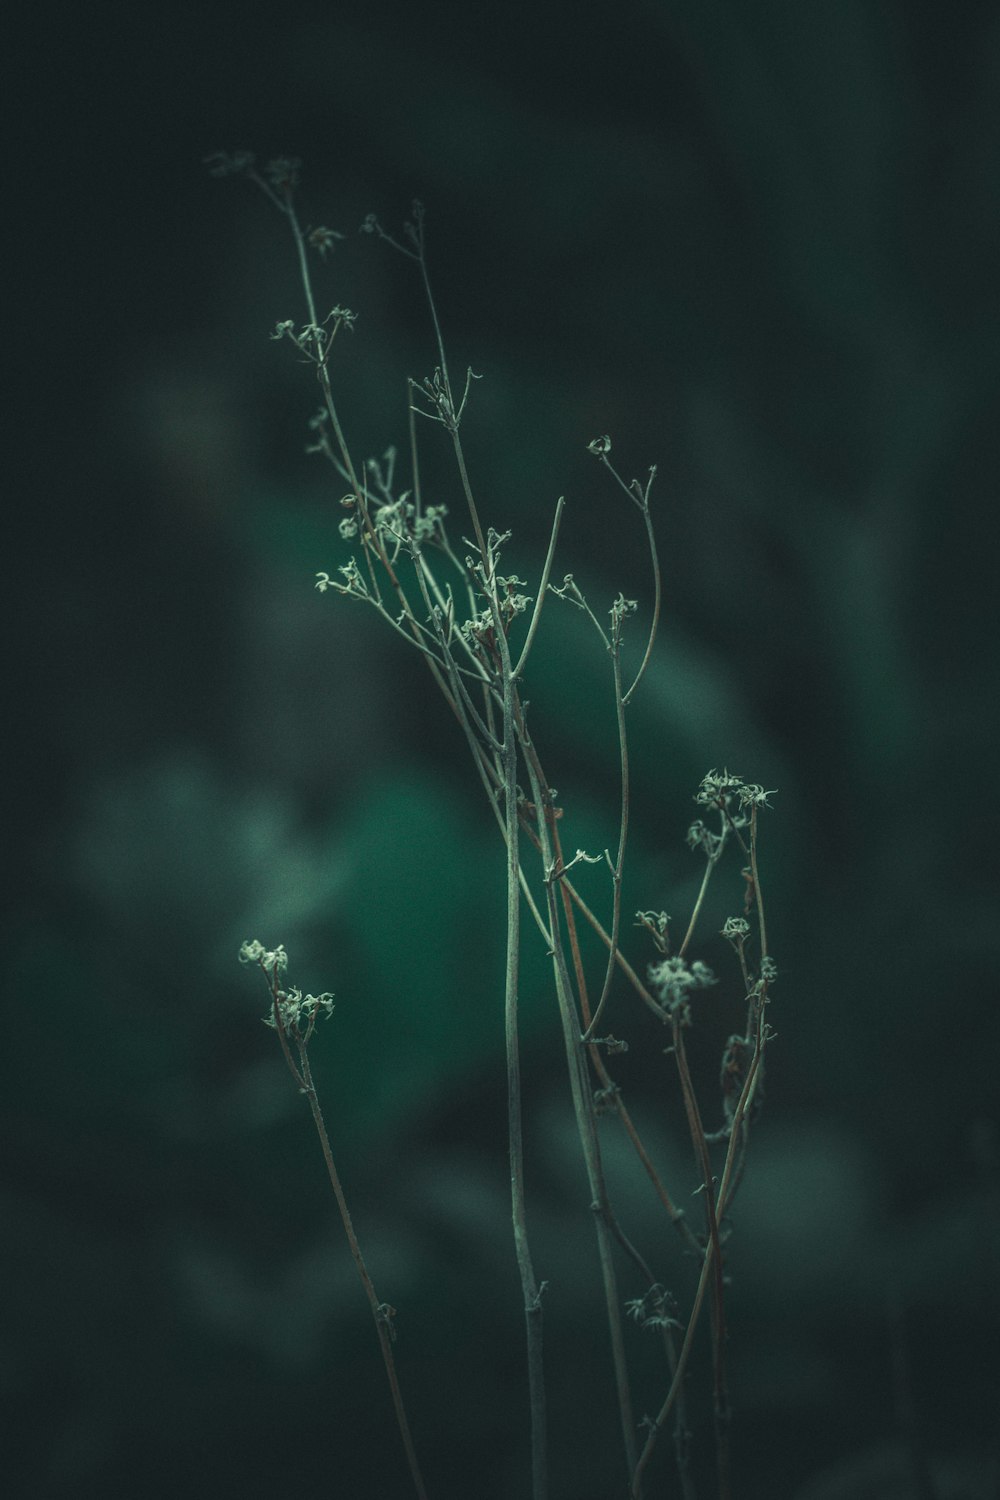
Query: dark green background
column 757, row 244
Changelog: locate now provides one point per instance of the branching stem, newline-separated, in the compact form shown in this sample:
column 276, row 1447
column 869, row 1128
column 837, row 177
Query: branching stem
column 471, row 660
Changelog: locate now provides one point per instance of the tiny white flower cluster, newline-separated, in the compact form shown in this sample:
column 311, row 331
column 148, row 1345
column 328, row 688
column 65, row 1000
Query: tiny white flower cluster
column 674, row 978
column 700, row 837
column 511, row 602
column 399, row 519
column 255, row 953
column 353, row 585
column 472, row 631
column 294, row 1008
column 621, row 608
column 717, row 787
column 657, row 924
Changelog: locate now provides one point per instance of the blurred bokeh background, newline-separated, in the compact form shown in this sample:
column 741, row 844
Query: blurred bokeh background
column 756, row 243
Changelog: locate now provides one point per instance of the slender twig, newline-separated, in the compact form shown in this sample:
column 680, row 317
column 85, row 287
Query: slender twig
column 583, row 1104
column 710, row 863
column 532, row 1293
column 616, row 873
column 713, row 1257
column 610, row 1088
column 382, row 1312
column 657, row 589
column 543, row 585
column 639, row 495
column 707, row 1271
column 761, row 924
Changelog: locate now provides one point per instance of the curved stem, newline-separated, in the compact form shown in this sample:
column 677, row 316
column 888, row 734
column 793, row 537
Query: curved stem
column 583, row 1103
column 542, row 588
column 382, row 1313
column 657, row 596
column 616, row 873
column 529, row 1285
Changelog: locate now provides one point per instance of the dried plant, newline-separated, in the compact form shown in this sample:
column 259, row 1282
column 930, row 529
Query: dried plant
column 474, row 625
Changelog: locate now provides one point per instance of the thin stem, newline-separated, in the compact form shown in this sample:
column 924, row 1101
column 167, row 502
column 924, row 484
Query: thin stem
column 382, row 1313
column 583, row 1103
column 612, row 1092
column 657, row 591
column 708, row 1269
column 734, row 1152
column 616, row 1102
column 287, row 207
column 605, row 937
column 762, row 925
column 529, row 1285
column 616, row 873
column 714, row 1253
column 476, row 524
column 710, row 863
column 640, row 497
column 300, row 246
column 536, row 613
column 531, row 1291
column 676, row 1383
